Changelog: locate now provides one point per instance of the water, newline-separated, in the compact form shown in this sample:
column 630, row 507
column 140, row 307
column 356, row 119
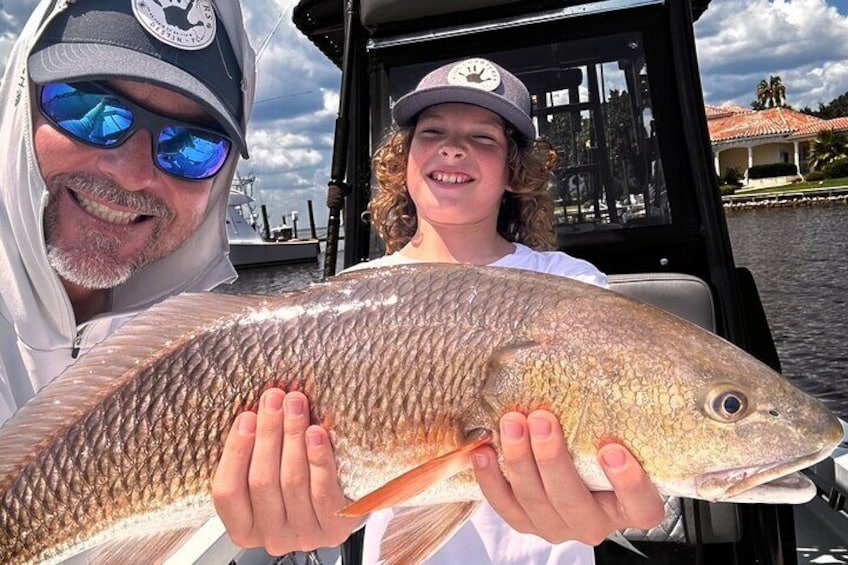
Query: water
column 270, row 280
column 282, row 278
column 799, row 259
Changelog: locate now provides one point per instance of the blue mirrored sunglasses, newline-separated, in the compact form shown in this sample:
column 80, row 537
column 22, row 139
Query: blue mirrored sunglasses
column 97, row 116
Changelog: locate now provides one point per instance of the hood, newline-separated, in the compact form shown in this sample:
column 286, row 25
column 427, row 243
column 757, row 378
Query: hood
column 33, row 299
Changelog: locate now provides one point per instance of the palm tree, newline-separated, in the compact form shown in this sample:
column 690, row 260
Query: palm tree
column 778, row 91
column 828, row 146
column 770, row 93
column 763, row 94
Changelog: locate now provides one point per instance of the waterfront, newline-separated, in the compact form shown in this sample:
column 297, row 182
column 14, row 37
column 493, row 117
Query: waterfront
column 799, row 259
column 281, row 278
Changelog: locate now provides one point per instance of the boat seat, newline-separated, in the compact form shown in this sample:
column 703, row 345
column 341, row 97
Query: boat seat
column 690, row 298
column 685, row 296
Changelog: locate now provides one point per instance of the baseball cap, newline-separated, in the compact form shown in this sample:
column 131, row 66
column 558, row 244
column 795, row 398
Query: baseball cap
column 182, row 47
column 474, row 81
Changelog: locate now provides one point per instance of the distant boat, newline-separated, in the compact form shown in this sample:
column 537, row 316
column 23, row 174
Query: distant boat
column 247, row 246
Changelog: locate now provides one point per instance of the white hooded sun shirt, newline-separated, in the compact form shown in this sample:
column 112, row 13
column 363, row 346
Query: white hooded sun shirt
column 38, row 331
column 39, row 336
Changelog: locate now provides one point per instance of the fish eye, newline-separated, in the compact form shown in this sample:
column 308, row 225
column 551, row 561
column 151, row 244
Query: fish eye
column 727, row 405
column 731, row 404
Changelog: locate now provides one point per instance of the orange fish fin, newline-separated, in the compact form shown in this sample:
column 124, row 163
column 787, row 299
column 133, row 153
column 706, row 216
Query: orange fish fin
column 417, row 480
column 154, row 548
column 416, row 533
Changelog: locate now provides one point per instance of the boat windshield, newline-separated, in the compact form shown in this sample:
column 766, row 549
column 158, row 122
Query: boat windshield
column 592, row 100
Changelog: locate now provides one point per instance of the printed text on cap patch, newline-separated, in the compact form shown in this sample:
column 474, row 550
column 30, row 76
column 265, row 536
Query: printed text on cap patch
column 188, row 25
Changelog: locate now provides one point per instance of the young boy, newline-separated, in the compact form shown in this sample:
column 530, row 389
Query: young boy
column 461, row 180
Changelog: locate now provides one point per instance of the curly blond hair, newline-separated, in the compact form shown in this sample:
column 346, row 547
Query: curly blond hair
column 526, row 213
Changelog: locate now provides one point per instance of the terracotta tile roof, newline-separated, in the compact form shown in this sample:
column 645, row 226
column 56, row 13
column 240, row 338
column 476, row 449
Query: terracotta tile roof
column 812, row 129
column 773, row 121
column 725, row 110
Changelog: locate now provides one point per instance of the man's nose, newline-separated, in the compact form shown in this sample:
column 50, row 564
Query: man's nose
column 130, row 165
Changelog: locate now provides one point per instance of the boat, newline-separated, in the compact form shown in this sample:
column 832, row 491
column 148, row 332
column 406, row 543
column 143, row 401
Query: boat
column 616, row 88
column 248, row 248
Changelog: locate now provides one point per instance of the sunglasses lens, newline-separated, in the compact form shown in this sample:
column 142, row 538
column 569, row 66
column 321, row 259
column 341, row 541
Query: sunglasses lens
column 102, row 119
column 191, row 153
column 93, row 117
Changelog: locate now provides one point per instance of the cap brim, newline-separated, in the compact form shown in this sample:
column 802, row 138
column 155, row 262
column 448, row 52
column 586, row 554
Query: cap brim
column 410, row 105
column 66, row 62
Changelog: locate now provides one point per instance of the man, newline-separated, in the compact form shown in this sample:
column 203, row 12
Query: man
column 122, row 124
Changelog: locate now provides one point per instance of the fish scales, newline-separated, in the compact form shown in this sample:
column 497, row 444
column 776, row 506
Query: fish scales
column 400, row 365
column 166, row 411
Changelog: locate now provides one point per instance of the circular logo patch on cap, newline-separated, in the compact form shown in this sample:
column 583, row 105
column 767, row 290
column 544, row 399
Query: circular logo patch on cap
column 476, row 73
column 184, row 24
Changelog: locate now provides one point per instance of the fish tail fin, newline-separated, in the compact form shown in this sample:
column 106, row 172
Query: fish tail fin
column 415, row 533
column 417, row 480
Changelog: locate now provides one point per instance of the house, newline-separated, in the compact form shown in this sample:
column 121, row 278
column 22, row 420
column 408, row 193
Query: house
column 742, row 138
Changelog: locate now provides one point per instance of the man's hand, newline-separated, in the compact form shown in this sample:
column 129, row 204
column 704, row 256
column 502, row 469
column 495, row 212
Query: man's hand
column 276, row 485
column 545, row 495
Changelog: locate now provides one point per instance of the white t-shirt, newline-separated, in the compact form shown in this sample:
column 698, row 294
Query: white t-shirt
column 552, row 262
column 486, row 537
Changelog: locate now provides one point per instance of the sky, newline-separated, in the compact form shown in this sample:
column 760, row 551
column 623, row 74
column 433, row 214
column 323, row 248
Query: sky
column 739, row 43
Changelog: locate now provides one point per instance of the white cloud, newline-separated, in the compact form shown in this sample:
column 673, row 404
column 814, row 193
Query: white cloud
column 13, row 15
column 297, row 103
column 272, row 150
column 829, row 80
column 742, row 42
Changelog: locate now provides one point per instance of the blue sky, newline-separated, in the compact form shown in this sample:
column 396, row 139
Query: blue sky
column 739, row 43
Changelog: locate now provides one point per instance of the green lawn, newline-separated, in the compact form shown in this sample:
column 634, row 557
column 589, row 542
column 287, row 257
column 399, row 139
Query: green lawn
column 826, row 183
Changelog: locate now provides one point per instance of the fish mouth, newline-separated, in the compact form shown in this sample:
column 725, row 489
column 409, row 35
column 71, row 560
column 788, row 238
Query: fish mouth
column 772, row 483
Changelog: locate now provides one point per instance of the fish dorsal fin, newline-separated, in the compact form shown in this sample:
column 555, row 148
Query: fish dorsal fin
column 98, row 374
column 416, row 533
column 414, row 482
column 153, row 549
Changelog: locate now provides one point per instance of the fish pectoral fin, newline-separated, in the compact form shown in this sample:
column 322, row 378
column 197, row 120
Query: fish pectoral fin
column 419, row 479
column 415, row 533
column 505, row 372
column 154, row 548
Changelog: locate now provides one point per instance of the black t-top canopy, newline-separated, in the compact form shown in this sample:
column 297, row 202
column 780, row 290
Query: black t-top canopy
column 322, row 21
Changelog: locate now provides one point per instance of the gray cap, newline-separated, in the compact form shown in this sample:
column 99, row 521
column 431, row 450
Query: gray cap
column 182, row 48
column 471, row 81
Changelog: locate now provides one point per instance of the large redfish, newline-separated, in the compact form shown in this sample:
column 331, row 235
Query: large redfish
column 410, row 369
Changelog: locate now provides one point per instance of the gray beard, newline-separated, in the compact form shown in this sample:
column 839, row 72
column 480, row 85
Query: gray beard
column 95, row 265
column 94, row 271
